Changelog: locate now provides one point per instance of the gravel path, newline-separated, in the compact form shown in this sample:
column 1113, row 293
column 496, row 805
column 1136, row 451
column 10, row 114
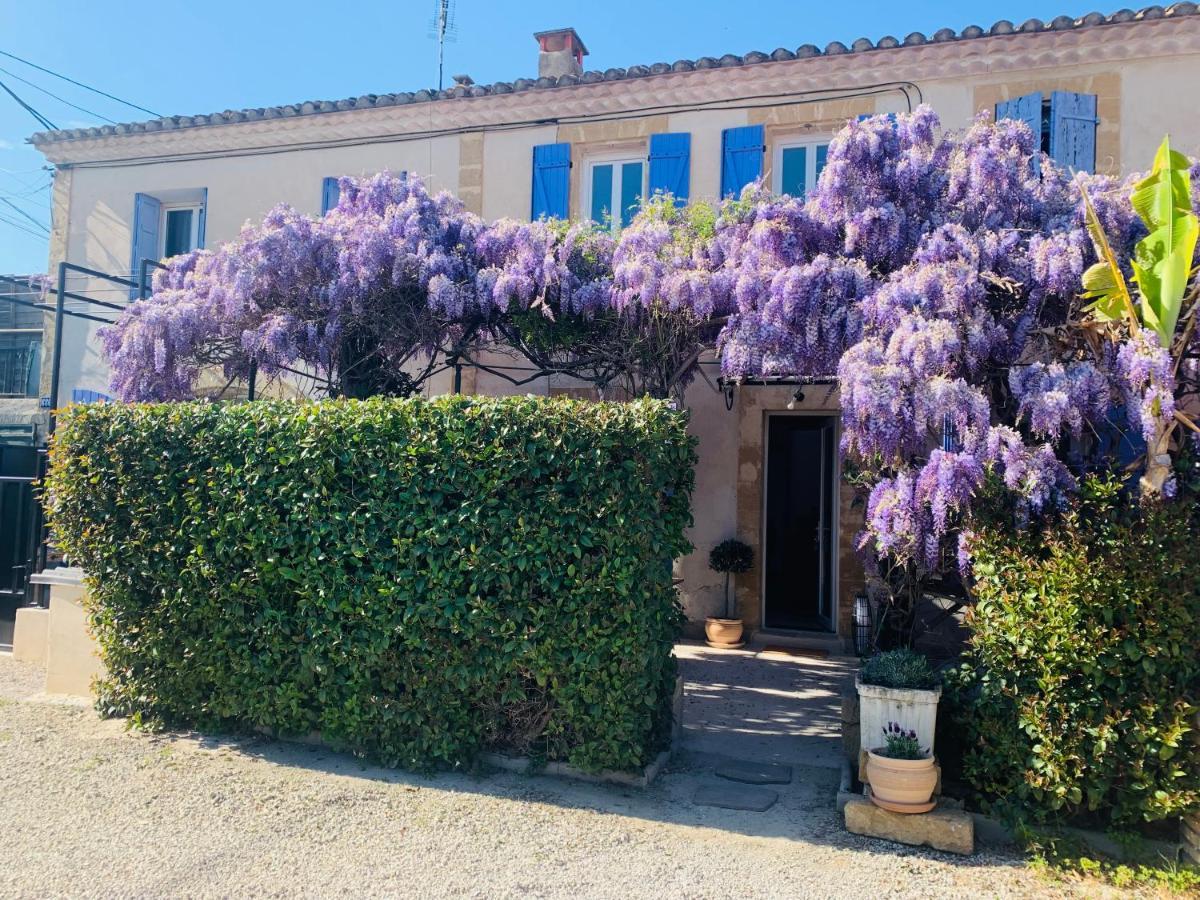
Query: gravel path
column 89, row 809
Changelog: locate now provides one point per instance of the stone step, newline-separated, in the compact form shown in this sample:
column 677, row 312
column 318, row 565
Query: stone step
column 735, row 796
column 755, row 773
column 952, row 830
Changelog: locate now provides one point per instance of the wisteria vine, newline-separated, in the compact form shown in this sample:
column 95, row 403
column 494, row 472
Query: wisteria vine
column 935, row 274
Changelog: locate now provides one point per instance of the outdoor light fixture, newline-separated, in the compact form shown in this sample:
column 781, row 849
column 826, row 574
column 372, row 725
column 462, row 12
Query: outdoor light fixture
column 862, row 624
column 797, row 397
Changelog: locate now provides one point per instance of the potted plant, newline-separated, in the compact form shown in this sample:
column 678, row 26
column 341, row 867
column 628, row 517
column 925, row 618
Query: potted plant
column 731, row 556
column 898, row 686
column 901, row 772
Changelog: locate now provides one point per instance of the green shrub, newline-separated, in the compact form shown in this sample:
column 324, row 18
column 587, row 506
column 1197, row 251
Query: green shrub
column 901, row 668
column 731, row 555
column 416, row 581
column 1080, row 692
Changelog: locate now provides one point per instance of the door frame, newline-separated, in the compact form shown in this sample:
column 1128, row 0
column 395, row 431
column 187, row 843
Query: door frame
column 834, row 525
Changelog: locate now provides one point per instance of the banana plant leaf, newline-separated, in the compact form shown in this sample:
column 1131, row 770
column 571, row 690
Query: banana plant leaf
column 1104, row 282
column 1162, row 260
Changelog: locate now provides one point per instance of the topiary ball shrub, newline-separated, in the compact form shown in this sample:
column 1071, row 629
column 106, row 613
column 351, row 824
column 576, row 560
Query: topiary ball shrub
column 1079, row 696
column 417, row 581
column 731, row 556
column 902, row 668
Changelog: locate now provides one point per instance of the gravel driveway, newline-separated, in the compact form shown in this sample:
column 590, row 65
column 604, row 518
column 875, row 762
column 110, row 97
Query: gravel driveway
column 89, row 809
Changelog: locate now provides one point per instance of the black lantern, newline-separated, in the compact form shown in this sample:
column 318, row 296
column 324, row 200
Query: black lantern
column 862, row 624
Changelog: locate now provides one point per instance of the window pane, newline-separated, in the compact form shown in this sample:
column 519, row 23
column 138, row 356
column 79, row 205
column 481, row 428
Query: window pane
column 179, row 232
column 822, row 152
column 791, row 179
column 631, row 191
column 602, row 188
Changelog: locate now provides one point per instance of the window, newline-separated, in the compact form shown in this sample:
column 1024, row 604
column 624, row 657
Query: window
column 180, row 229
column 20, row 341
column 797, row 165
column 615, row 188
column 1064, row 124
column 20, row 362
column 164, row 224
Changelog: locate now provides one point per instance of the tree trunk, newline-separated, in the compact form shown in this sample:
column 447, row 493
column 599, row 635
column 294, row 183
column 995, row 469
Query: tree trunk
column 1158, row 462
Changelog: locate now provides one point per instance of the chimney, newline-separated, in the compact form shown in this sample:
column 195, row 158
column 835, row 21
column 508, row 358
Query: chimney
column 560, row 52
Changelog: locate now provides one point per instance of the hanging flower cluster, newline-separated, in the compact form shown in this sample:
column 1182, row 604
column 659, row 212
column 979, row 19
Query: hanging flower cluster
column 928, row 271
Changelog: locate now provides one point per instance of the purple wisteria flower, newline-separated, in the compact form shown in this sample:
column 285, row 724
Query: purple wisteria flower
column 1148, row 381
column 929, row 270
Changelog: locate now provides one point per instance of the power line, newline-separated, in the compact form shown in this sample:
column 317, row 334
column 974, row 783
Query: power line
column 38, row 87
column 20, row 227
column 27, row 193
column 42, row 120
column 86, row 87
column 9, row 203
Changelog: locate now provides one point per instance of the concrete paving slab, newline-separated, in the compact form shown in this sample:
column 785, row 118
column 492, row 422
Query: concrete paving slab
column 742, row 705
column 755, row 773
column 734, row 796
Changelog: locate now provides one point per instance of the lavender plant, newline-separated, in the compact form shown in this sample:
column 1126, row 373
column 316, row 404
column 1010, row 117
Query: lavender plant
column 901, row 743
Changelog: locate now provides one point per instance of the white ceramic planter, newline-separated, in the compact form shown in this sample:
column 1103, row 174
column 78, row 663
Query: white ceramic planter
column 911, row 708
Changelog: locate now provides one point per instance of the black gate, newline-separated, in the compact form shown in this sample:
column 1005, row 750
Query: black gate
column 21, row 464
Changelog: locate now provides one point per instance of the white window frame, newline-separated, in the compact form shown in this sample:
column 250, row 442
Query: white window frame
column 166, row 208
column 810, row 160
column 615, row 160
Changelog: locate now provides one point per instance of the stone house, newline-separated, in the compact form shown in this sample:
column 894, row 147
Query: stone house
column 591, row 144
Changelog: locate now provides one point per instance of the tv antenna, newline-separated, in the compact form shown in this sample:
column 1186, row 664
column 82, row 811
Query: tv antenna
column 442, row 29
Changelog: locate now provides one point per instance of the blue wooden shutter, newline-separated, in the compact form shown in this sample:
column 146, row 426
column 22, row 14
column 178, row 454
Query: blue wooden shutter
column 741, row 158
column 203, row 219
column 670, row 165
column 330, row 193
column 146, row 213
column 1073, row 130
column 1027, row 109
column 551, row 181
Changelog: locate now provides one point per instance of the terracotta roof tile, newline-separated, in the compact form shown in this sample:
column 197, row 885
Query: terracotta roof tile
column 754, row 57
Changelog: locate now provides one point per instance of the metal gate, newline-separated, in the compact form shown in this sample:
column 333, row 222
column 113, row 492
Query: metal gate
column 22, row 463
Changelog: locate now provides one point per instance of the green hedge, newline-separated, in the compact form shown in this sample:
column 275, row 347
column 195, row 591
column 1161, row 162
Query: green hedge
column 1080, row 694
column 417, row 581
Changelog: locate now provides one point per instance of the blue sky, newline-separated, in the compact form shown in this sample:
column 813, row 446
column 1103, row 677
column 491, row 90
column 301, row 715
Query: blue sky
column 179, row 58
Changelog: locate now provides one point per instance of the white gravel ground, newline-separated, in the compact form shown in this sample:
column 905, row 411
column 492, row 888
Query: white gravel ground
column 88, row 809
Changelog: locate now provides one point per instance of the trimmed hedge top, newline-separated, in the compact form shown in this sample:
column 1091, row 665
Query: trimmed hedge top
column 415, row 580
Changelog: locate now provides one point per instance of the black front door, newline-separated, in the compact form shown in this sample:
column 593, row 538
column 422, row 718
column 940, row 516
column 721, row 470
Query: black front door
column 798, row 561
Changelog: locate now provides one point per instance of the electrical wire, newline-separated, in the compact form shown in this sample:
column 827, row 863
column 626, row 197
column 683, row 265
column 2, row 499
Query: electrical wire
column 38, row 87
column 86, row 87
column 17, row 225
column 732, row 103
column 41, row 225
column 42, row 120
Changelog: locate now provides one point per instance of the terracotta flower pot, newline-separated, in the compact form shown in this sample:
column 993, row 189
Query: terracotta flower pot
column 901, row 785
column 726, row 633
